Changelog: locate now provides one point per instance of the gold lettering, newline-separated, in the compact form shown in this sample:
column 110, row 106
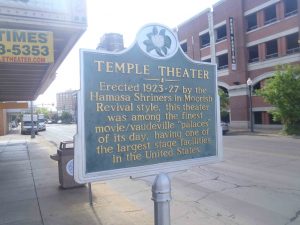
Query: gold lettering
column 104, row 150
column 206, row 74
column 146, row 117
column 99, row 65
column 183, row 72
column 107, row 128
column 133, row 147
column 159, row 154
column 178, row 72
column 118, row 87
column 122, row 67
column 109, row 67
column 161, row 69
column 130, row 67
column 100, row 107
column 146, row 69
column 170, row 71
column 187, row 151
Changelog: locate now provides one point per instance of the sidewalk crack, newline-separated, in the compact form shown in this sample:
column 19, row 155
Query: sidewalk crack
column 297, row 214
column 35, row 191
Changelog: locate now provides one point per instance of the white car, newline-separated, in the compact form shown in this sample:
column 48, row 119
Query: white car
column 42, row 124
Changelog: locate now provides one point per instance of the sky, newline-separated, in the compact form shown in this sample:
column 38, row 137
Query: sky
column 118, row 16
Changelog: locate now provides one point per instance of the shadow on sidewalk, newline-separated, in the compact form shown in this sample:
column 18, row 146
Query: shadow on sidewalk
column 255, row 132
column 14, row 131
column 260, row 132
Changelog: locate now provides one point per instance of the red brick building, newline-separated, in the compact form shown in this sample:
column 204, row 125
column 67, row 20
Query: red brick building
column 246, row 39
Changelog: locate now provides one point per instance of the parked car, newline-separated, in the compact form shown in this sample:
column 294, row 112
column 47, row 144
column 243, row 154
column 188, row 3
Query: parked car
column 225, row 127
column 42, row 122
column 27, row 125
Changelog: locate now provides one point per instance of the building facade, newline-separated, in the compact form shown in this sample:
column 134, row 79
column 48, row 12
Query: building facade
column 246, row 39
column 35, row 38
column 112, row 42
column 66, row 102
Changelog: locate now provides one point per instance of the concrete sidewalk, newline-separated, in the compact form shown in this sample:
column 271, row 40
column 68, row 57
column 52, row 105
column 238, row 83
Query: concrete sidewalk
column 30, row 193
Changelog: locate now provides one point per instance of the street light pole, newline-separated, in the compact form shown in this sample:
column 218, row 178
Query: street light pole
column 249, row 83
column 32, row 125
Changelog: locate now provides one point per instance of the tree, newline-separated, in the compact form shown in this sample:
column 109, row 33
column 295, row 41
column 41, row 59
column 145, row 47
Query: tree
column 43, row 110
column 66, row 117
column 54, row 117
column 283, row 92
column 224, row 104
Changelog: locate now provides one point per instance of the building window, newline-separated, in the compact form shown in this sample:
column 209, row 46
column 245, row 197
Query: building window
column 256, row 87
column 251, row 21
column 270, row 14
column 222, row 61
column 292, row 45
column 271, row 49
column 184, row 47
column 253, row 54
column 207, row 60
column 204, row 40
column 290, row 7
column 221, row 33
column 257, row 117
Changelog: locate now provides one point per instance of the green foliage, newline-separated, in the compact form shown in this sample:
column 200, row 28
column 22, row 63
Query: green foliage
column 42, row 110
column 283, row 92
column 66, row 117
column 54, row 117
column 224, row 104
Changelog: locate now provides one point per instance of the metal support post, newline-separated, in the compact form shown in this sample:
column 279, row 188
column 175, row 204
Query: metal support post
column 32, row 125
column 250, row 85
column 90, row 194
column 161, row 195
column 210, row 18
column 250, row 108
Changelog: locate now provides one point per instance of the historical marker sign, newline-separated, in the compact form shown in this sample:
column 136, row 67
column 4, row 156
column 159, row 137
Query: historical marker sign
column 145, row 110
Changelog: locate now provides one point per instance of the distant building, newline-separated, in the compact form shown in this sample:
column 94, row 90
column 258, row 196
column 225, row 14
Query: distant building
column 66, row 102
column 246, row 39
column 112, row 42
